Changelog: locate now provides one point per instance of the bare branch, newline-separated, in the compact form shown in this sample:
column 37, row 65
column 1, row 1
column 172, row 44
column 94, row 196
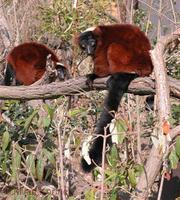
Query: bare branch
column 160, row 14
column 156, row 157
column 152, row 168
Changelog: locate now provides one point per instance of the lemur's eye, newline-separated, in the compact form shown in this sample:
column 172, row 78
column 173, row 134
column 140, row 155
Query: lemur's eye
column 92, row 43
column 83, row 45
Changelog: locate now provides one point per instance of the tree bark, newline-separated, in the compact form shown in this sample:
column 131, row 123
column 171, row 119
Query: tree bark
column 140, row 86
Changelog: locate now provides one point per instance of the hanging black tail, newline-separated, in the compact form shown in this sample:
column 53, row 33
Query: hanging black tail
column 10, row 76
column 117, row 85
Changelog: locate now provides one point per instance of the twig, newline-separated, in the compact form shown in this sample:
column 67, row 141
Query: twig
column 28, row 170
column 25, row 186
column 159, row 20
column 161, row 187
column 61, row 166
column 16, row 24
column 5, row 32
column 174, row 15
column 26, row 12
column 2, row 4
column 131, row 16
column 103, row 162
column 118, row 11
column 148, row 18
column 138, row 131
column 161, row 14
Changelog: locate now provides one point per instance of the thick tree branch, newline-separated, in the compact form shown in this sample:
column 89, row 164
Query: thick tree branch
column 141, row 86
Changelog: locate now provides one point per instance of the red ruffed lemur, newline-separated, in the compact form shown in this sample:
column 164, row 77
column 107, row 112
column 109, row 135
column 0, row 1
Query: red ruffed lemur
column 26, row 63
column 119, row 50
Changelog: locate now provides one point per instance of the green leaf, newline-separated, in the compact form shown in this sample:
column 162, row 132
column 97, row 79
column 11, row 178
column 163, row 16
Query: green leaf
column 19, row 197
column 71, row 198
column 114, row 156
column 76, row 111
column 50, row 156
column 4, row 163
column 117, row 129
column 177, row 147
column 5, row 140
column 139, row 169
column 46, row 121
column 50, row 110
column 31, row 197
column 132, row 177
column 121, row 138
column 121, row 128
column 49, row 197
column 173, row 159
column 122, row 178
column 89, row 195
column 121, row 125
column 16, row 162
column 30, row 162
column 110, row 177
column 40, row 167
column 113, row 195
column 29, row 120
column 4, row 167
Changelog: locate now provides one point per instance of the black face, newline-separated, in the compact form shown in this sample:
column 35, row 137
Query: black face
column 87, row 42
column 62, row 72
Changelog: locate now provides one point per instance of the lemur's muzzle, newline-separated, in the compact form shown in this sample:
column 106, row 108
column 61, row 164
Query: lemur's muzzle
column 89, row 51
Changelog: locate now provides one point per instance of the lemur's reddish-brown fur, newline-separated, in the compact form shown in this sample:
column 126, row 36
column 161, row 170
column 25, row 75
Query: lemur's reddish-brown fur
column 28, row 61
column 121, row 48
column 122, row 51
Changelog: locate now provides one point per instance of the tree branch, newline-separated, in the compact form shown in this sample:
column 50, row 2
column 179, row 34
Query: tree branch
column 152, row 168
column 140, row 86
column 154, row 162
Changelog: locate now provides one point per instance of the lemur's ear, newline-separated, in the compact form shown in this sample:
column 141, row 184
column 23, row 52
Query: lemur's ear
column 90, row 29
column 76, row 37
column 97, row 31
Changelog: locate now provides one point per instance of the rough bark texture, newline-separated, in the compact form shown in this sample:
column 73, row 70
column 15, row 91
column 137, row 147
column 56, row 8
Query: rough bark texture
column 140, row 86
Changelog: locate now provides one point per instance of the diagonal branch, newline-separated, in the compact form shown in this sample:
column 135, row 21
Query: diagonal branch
column 154, row 162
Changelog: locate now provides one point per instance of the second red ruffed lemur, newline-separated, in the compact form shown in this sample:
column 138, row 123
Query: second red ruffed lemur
column 26, row 63
column 119, row 50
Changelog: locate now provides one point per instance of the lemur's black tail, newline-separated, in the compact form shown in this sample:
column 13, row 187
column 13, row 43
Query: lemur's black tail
column 8, row 75
column 117, row 85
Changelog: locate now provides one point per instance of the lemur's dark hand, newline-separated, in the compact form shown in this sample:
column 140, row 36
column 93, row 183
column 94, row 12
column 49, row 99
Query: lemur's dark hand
column 90, row 79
